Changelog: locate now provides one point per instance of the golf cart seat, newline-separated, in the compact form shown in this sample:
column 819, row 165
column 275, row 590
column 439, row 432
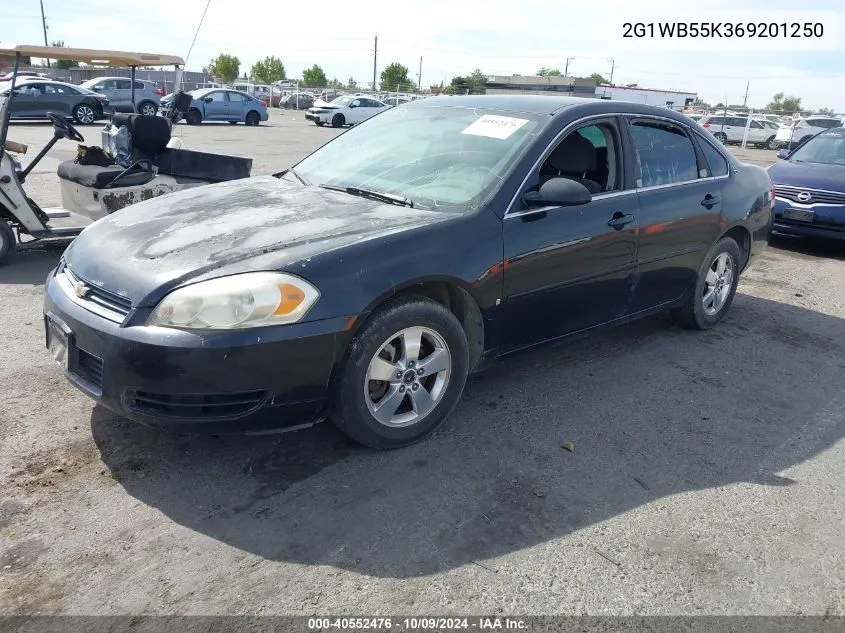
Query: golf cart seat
column 100, row 177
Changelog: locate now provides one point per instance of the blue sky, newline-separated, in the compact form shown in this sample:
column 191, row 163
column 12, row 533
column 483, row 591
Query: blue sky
column 500, row 37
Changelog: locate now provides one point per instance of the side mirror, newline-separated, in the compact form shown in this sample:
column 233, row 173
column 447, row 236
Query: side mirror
column 208, row 99
column 559, row 191
column 783, row 153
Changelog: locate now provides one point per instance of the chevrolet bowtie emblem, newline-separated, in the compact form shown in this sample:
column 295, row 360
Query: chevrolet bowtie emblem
column 80, row 289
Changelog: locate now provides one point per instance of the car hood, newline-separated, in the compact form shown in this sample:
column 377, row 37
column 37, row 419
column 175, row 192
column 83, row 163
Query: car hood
column 263, row 223
column 809, row 175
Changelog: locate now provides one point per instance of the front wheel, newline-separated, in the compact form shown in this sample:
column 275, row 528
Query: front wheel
column 194, row 117
column 7, row 241
column 404, row 374
column 338, row 120
column 715, row 289
column 84, row 114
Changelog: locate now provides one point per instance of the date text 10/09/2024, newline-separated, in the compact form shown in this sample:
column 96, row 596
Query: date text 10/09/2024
column 416, row 624
column 722, row 29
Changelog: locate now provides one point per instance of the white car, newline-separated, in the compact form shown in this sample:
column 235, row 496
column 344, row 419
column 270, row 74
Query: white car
column 345, row 111
column 731, row 129
column 796, row 132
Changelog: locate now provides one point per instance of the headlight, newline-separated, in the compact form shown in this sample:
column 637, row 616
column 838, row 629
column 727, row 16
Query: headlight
column 237, row 301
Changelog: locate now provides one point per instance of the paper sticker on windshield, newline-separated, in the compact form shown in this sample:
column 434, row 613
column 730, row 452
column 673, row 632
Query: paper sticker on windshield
column 494, row 126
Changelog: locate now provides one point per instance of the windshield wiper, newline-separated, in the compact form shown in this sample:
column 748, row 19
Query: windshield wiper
column 381, row 196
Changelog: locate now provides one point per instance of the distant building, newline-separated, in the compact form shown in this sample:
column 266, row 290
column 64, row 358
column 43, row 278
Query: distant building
column 536, row 85
column 673, row 99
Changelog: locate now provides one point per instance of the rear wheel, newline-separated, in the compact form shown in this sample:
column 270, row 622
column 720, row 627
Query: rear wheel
column 194, row 117
column 147, row 108
column 7, row 242
column 404, row 374
column 338, row 120
column 721, row 137
column 714, row 292
column 84, row 114
column 252, row 118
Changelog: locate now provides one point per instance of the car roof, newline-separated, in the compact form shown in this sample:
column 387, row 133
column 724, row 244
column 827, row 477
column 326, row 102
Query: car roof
column 96, row 79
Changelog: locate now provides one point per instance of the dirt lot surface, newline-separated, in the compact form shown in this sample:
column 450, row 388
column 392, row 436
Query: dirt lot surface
column 708, row 472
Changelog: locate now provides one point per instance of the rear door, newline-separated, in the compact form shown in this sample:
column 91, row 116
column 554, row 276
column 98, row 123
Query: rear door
column 122, row 94
column 680, row 208
column 237, row 106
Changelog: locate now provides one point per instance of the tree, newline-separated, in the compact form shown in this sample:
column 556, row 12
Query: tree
column 336, row 84
column 477, row 81
column 599, row 78
column 395, row 75
column 548, row 72
column 826, row 111
column 738, row 108
column 784, row 104
column 314, row 77
column 224, row 67
column 268, row 70
column 64, row 64
column 351, row 84
column 700, row 103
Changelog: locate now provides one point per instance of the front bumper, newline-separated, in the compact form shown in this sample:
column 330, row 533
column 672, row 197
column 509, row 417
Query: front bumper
column 826, row 221
column 317, row 118
column 253, row 380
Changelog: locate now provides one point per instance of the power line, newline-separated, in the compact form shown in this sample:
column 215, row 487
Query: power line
column 197, row 33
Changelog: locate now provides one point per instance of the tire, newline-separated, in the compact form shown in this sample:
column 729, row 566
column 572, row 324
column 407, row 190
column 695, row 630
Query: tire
column 147, row 108
column 252, row 118
column 8, row 243
column 771, row 143
column 338, row 120
column 84, row 114
column 721, row 137
column 380, row 346
column 194, row 117
column 699, row 312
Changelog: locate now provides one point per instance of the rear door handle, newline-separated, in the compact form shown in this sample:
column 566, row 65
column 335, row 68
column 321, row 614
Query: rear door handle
column 710, row 201
column 618, row 220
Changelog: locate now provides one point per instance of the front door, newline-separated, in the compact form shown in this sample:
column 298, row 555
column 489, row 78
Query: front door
column 356, row 112
column 571, row 268
column 680, row 205
column 216, row 106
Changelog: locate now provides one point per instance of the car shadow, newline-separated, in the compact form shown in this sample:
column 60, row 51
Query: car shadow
column 810, row 246
column 651, row 411
column 31, row 263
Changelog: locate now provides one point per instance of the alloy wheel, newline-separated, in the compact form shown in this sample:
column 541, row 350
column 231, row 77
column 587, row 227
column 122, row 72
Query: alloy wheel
column 718, row 284
column 85, row 114
column 148, row 109
column 407, row 377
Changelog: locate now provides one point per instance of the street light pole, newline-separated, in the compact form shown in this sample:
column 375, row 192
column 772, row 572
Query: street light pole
column 566, row 68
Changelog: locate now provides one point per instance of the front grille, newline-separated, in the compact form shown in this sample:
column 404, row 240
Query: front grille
column 98, row 300
column 89, row 368
column 228, row 405
column 817, row 196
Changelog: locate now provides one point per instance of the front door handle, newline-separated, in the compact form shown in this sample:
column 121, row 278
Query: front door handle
column 710, row 201
column 619, row 220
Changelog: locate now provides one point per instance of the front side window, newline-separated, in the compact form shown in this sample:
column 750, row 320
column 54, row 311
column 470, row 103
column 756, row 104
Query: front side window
column 444, row 157
column 590, row 155
column 217, row 97
column 664, row 152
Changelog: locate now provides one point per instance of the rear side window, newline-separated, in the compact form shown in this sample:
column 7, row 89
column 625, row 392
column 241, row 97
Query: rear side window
column 716, row 163
column 124, row 84
column 664, row 152
column 236, row 96
column 139, row 85
column 716, row 120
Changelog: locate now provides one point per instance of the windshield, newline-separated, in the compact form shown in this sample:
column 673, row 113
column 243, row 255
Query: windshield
column 442, row 157
column 342, row 101
column 827, row 147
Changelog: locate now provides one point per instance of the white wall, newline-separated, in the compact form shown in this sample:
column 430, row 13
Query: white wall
column 648, row 97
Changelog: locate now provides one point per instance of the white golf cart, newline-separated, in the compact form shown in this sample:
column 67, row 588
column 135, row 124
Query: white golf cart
column 156, row 166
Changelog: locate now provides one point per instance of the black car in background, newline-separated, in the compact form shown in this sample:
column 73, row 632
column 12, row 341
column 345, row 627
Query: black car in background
column 366, row 282
column 302, row 101
column 34, row 99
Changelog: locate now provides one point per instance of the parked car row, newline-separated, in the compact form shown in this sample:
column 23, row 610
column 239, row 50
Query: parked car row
column 765, row 130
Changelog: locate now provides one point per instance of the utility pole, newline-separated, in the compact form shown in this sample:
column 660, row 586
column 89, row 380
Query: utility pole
column 375, row 63
column 44, row 24
column 566, row 68
column 612, row 66
column 419, row 77
column 745, row 100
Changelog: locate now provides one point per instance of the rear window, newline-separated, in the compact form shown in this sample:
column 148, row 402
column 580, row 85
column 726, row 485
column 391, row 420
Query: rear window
column 824, row 123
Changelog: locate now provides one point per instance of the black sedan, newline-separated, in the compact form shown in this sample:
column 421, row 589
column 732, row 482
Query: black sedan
column 34, row 99
column 810, row 187
column 366, row 282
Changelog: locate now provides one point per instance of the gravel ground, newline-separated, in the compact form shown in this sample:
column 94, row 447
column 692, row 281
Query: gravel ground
column 706, row 477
